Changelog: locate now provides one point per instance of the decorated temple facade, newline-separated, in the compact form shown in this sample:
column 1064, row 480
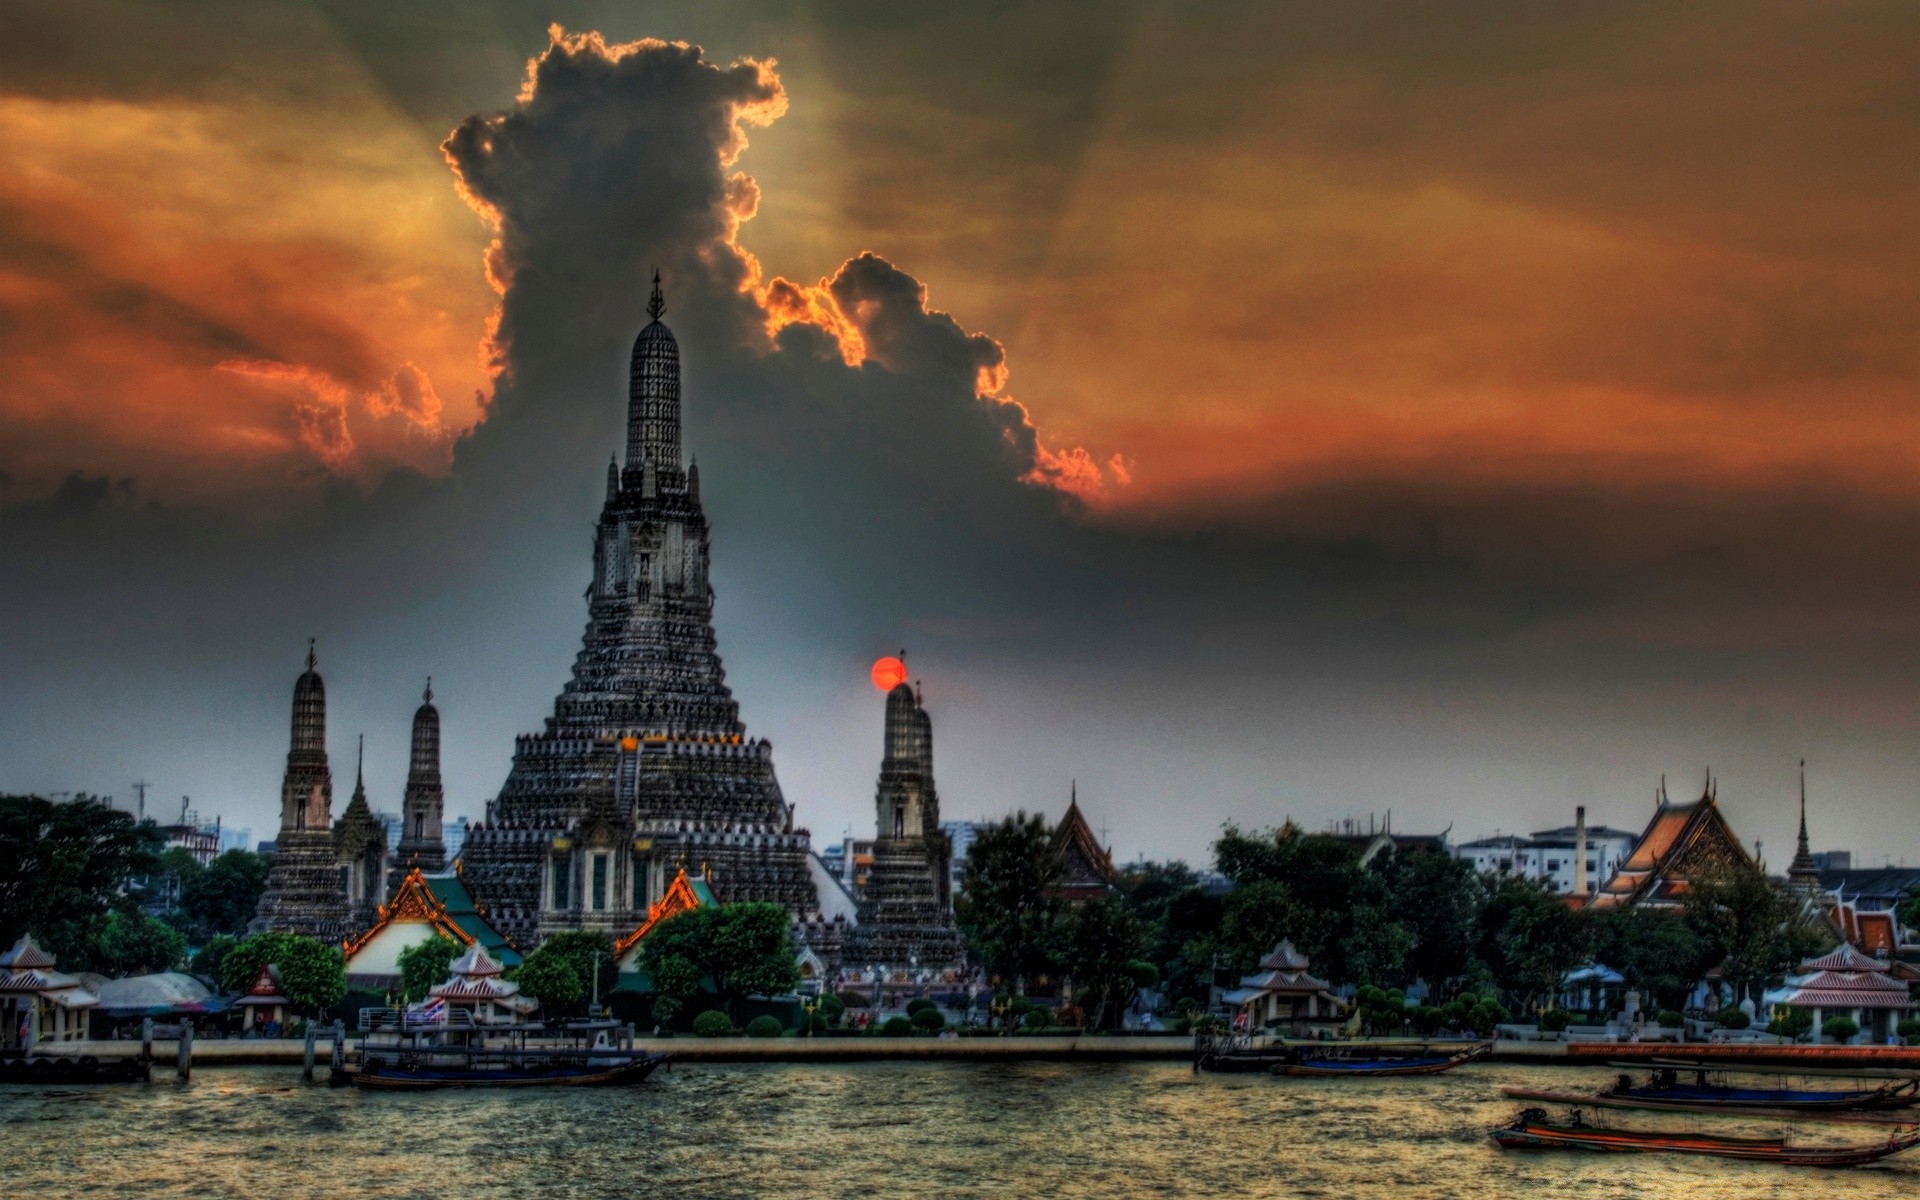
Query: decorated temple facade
column 475, row 993
column 1086, row 868
column 1284, row 993
column 906, row 904
column 1847, row 983
column 1681, row 843
column 422, row 908
column 644, row 766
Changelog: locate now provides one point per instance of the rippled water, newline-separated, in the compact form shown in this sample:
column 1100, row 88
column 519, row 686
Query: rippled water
column 860, row 1129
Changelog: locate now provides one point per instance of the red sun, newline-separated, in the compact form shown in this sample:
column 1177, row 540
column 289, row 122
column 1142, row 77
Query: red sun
column 889, row 673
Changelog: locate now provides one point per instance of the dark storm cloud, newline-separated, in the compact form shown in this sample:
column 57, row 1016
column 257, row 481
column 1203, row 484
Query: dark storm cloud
column 1473, row 651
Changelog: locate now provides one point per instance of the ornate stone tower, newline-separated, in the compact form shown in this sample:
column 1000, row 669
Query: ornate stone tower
column 423, row 808
column 304, row 892
column 644, row 765
column 906, row 912
column 360, row 852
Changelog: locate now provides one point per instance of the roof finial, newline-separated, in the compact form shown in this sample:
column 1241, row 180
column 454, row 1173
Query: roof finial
column 360, row 767
column 310, row 658
column 428, row 697
column 656, row 304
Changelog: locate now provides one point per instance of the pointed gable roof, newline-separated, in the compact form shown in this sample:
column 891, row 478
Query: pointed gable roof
column 1086, row 869
column 1844, row 958
column 26, row 955
column 1682, row 840
column 1284, row 958
column 682, row 895
column 413, row 903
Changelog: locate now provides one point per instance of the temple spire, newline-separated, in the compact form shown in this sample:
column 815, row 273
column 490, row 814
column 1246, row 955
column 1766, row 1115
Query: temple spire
column 653, row 396
column 1803, row 873
column 656, row 303
column 311, row 660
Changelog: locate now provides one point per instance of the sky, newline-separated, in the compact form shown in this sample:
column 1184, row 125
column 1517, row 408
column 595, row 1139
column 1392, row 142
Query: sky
column 1248, row 411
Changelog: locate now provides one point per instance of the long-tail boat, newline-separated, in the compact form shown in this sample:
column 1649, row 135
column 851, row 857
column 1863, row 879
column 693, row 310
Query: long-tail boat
column 1364, row 1061
column 1710, row 1088
column 1533, row 1130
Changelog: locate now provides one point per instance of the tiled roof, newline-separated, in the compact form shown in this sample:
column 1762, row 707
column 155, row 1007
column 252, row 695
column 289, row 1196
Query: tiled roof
column 1284, row 958
column 26, row 953
column 1844, row 958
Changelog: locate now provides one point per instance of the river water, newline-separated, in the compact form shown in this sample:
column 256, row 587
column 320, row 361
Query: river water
column 859, row 1129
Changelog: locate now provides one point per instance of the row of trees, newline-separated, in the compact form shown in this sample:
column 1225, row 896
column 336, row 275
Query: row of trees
column 1405, row 916
column 82, row 877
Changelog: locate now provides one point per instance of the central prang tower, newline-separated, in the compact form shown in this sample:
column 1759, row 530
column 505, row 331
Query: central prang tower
column 645, row 766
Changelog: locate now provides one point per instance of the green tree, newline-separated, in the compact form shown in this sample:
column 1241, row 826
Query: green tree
column 1752, row 926
column 63, row 863
column 222, row 898
column 424, row 964
column 1006, row 907
column 212, row 957
column 1312, row 890
column 1103, row 943
column 587, row 951
column 1436, row 899
column 137, row 944
column 740, row 949
column 176, row 868
column 550, row 979
column 1528, row 938
column 313, row 974
column 1657, row 952
column 241, row 964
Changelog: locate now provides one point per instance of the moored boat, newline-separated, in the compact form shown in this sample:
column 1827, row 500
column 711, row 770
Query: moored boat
column 1361, row 1060
column 1710, row 1089
column 413, row 1049
column 1533, row 1130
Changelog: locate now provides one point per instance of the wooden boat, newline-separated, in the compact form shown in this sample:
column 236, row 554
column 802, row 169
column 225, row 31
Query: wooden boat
column 1364, row 1061
column 1533, row 1130
column 1666, row 1088
column 1849, row 1116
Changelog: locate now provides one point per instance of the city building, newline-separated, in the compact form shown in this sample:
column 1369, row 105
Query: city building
column 1554, row 856
column 453, row 834
column 644, row 767
column 906, row 903
column 960, row 839
column 848, row 861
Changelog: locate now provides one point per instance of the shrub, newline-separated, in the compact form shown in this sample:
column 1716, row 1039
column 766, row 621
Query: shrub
column 830, row 1010
column 1426, row 1020
column 1909, row 1030
column 712, row 1023
column 1669, row 1019
column 918, row 1005
column 928, row 1020
column 897, row 1027
column 1037, row 1018
column 1840, row 1029
column 1795, row 1023
column 1554, row 1020
column 763, row 1026
column 1734, row 1018
column 851, row 999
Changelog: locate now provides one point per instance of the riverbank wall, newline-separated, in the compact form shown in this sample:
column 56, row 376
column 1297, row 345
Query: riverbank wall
column 256, row 1052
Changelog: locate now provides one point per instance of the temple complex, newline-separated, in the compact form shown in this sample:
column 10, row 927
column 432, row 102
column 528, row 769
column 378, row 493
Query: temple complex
column 645, row 766
column 360, row 851
column 1086, row 868
column 1846, row 983
column 423, row 807
column 305, row 890
column 906, row 905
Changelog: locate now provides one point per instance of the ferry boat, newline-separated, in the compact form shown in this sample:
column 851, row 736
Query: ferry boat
column 1534, row 1130
column 402, row 1052
column 1370, row 1061
column 1711, row 1088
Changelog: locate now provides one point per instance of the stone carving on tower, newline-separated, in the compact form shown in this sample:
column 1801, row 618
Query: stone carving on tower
column 423, row 806
column 906, row 909
column 304, row 893
column 360, row 852
column 644, row 766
